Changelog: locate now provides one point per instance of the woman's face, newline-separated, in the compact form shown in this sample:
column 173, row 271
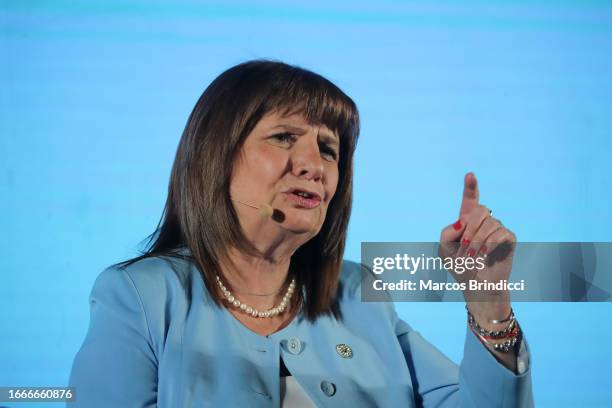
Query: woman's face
column 291, row 166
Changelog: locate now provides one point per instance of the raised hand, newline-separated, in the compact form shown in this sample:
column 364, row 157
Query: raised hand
column 477, row 234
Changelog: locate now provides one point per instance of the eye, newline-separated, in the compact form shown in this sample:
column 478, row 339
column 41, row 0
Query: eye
column 329, row 151
column 284, row 137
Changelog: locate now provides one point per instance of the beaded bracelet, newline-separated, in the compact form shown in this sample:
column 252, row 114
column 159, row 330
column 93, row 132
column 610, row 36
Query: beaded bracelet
column 504, row 347
column 498, row 334
column 512, row 332
column 507, row 345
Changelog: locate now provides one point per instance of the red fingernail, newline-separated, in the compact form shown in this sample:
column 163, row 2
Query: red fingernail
column 471, row 252
column 465, row 242
column 457, row 225
column 483, row 250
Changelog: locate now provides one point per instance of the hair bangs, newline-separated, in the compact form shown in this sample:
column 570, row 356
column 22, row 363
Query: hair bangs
column 318, row 100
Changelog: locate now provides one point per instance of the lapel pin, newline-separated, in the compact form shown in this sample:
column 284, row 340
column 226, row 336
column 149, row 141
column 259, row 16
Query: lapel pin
column 344, row 350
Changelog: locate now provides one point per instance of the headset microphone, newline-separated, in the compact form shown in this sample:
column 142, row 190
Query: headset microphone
column 265, row 210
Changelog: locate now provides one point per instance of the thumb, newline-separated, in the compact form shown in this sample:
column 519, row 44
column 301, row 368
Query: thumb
column 471, row 195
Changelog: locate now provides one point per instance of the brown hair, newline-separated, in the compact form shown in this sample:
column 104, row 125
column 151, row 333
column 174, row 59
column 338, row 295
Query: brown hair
column 199, row 214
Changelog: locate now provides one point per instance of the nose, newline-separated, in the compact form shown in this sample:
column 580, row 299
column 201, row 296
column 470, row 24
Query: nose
column 306, row 159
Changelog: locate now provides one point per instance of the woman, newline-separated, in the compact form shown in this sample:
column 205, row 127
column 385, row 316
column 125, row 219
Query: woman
column 243, row 298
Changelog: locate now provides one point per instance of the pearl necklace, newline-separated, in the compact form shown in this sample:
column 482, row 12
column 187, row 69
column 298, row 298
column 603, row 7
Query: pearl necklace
column 275, row 311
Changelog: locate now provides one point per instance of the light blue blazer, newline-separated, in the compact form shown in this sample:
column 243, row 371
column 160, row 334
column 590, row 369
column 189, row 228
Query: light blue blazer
column 156, row 339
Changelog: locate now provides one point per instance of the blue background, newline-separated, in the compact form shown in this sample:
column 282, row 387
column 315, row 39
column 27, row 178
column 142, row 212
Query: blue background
column 94, row 97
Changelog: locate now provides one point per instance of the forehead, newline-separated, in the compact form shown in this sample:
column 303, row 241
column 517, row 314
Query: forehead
column 294, row 122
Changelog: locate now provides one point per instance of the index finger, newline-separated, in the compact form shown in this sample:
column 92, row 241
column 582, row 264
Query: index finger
column 471, row 194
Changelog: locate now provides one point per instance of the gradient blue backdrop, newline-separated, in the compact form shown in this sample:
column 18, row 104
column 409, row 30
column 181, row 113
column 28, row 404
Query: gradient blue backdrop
column 94, row 96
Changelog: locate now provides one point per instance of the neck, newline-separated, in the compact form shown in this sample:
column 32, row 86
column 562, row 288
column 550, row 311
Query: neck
column 266, row 272
column 250, row 277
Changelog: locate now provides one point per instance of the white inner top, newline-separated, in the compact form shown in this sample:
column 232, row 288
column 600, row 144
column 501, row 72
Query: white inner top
column 293, row 395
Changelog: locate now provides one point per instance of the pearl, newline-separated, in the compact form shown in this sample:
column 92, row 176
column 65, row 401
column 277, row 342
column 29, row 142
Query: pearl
column 255, row 312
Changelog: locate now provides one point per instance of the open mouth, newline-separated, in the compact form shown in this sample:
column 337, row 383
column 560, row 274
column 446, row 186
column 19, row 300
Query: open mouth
column 303, row 194
column 303, row 198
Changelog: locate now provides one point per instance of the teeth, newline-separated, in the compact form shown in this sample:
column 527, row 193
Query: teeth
column 303, row 194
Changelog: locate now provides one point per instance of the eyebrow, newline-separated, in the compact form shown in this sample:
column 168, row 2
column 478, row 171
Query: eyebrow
column 328, row 137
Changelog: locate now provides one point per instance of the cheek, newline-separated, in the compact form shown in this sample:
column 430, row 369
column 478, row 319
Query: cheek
column 332, row 182
column 269, row 164
column 264, row 165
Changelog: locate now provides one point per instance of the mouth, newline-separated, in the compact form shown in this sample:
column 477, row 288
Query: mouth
column 303, row 198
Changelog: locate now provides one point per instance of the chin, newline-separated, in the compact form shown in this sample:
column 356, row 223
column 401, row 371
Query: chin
column 302, row 223
column 299, row 228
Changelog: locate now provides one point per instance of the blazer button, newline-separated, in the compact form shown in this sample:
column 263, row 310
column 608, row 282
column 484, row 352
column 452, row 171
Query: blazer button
column 328, row 388
column 294, row 345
